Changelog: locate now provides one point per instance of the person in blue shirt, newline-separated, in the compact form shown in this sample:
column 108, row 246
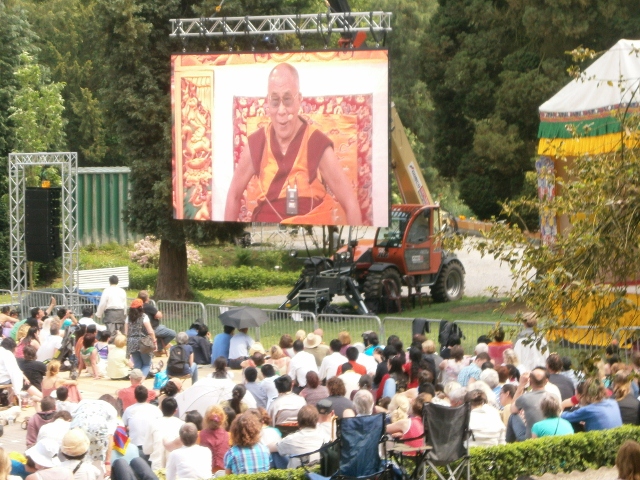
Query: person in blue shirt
column 598, row 412
column 221, row 343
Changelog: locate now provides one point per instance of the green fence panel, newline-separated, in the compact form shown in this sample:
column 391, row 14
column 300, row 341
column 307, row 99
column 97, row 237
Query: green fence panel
column 103, row 193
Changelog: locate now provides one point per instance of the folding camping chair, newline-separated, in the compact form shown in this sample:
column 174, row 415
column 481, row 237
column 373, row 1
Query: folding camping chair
column 358, row 448
column 447, row 433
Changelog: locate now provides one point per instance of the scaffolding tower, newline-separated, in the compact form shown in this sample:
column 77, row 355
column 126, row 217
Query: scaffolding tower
column 67, row 162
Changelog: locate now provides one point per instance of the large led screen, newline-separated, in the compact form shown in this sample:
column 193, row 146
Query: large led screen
column 291, row 138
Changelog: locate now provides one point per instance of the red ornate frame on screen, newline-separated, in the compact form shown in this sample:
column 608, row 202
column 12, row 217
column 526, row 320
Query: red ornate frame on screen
column 346, row 119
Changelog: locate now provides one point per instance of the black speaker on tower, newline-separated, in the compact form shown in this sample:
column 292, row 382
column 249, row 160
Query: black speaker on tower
column 42, row 212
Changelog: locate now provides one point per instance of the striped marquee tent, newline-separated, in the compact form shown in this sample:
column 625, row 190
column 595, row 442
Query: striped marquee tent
column 584, row 119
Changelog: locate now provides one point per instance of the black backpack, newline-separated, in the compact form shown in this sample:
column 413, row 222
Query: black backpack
column 449, row 332
column 178, row 360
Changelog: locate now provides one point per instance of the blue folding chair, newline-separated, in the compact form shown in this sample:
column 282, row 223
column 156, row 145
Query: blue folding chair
column 357, row 446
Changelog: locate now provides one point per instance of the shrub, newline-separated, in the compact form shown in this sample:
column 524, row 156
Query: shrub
column 550, row 454
column 208, row 278
column 533, row 457
column 146, row 253
column 142, row 278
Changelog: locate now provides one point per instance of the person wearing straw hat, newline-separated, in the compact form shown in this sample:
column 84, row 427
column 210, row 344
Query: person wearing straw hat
column 74, row 448
column 313, row 345
column 44, row 455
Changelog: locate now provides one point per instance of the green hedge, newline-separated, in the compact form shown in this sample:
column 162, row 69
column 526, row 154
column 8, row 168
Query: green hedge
column 550, row 454
column 207, row 278
column 533, row 457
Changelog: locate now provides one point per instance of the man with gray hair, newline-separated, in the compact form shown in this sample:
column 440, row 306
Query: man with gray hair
column 127, row 395
column 181, row 361
column 491, row 378
column 191, row 461
column 457, row 397
column 363, row 402
column 111, row 308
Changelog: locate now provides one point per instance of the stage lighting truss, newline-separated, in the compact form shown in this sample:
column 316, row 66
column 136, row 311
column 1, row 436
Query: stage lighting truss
column 67, row 163
column 322, row 23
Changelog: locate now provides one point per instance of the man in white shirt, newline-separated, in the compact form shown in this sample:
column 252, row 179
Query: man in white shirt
column 307, row 439
column 113, row 303
column 350, row 379
column 166, row 428
column 269, row 374
column 287, row 400
column 191, row 461
column 10, row 372
column 330, row 363
column 140, row 417
column 50, row 346
column 301, row 363
column 56, row 429
column 87, row 318
column 239, row 347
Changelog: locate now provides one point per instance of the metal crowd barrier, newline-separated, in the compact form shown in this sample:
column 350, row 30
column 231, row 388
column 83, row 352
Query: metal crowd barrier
column 213, row 312
column 332, row 324
column 180, row 315
column 285, row 321
column 403, row 327
column 32, row 298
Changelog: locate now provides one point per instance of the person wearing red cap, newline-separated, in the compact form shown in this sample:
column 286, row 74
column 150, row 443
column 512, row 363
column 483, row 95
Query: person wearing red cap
column 136, row 326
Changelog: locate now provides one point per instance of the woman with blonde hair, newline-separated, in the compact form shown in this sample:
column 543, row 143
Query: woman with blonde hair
column 279, row 360
column 345, row 339
column 269, row 434
column 628, row 461
column 245, row 432
column 510, row 358
column 52, row 381
column 214, row 436
column 5, row 465
column 118, row 364
column 627, row 401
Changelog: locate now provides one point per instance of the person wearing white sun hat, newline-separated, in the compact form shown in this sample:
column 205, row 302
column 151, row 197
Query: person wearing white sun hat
column 45, row 457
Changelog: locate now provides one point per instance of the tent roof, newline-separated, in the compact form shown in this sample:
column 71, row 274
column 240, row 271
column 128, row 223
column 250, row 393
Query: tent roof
column 585, row 116
column 609, row 82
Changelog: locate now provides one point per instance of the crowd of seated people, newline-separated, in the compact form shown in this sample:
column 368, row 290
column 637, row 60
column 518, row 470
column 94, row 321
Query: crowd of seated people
column 262, row 407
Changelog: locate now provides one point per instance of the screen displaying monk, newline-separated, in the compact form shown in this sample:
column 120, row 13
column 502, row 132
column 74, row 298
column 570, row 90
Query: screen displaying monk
column 297, row 170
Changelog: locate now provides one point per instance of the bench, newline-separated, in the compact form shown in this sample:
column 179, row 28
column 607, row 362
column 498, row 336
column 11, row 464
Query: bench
column 99, row 278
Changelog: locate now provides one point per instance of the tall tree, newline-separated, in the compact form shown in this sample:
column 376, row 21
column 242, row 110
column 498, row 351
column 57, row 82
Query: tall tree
column 488, row 66
column 136, row 52
column 16, row 37
column 67, row 37
column 37, row 109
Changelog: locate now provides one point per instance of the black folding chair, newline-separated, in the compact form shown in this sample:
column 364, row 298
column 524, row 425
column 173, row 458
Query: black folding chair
column 447, row 433
column 357, row 446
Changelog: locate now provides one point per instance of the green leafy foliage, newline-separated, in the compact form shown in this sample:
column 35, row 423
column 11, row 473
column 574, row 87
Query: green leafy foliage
column 488, row 66
column 581, row 278
column 37, row 109
column 550, row 454
column 208, row 278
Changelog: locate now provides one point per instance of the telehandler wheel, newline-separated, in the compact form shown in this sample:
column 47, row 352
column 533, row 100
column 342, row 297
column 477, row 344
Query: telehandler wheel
column 374, row 295
column 450, row 283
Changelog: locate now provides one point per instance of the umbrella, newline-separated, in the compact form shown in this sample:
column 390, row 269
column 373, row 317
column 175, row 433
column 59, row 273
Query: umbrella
column 243, row 317
column 206, row 392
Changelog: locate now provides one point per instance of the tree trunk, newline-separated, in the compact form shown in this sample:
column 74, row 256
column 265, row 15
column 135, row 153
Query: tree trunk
column 173, row 283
